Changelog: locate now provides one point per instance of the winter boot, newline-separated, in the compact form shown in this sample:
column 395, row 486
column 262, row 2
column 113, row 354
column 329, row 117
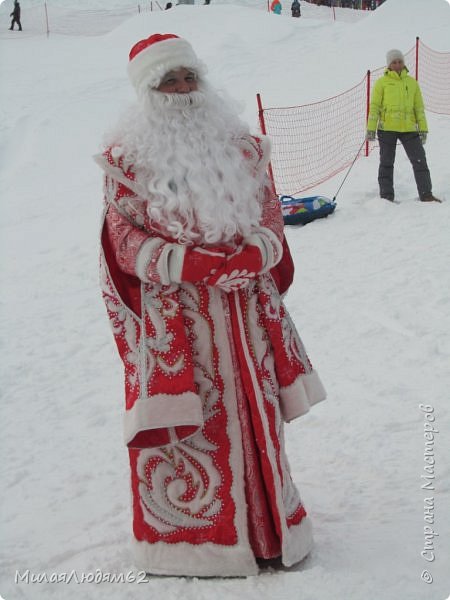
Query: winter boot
column 429, row 198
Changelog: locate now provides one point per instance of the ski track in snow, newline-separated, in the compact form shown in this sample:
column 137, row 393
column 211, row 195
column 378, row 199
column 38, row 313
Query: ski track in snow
column 370, row 299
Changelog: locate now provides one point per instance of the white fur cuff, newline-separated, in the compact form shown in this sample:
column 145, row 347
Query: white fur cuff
column 162, row 411
column 297, row 398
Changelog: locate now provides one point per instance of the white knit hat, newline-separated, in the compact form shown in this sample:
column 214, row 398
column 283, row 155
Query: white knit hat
column 152, row 58
column 394, row 55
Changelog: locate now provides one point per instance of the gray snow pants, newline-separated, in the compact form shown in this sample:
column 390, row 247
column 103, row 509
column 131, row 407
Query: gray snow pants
column 416, row 154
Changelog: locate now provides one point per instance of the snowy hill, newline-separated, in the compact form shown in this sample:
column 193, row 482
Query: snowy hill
column 370, row 299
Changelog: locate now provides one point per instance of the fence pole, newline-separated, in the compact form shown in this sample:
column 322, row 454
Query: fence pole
column 46, row 19
column 334, row 14
column 417, row 58
column 366, row 152
column 263, row 131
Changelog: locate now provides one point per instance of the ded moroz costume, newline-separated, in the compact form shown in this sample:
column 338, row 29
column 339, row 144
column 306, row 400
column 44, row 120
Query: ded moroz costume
column 193, row 259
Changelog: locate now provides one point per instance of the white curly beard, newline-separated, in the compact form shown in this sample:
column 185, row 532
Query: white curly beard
column 186, row 154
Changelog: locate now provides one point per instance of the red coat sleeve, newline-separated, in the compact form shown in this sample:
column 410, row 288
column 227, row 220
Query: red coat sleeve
column 283, row 272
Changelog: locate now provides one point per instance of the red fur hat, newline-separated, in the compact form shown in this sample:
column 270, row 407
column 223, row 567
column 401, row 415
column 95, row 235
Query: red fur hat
column 152, row 58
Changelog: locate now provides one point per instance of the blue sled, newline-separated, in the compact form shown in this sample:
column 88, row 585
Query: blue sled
column 300, row 211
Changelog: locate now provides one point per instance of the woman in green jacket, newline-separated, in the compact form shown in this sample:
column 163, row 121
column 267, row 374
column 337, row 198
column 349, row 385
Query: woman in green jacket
column 397, row 112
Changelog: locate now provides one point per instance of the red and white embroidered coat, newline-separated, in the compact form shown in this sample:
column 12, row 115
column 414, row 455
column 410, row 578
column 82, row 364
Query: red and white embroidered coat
column 213, row 366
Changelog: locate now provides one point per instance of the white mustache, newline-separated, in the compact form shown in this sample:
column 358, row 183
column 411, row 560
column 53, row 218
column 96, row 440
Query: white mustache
column 175, row 101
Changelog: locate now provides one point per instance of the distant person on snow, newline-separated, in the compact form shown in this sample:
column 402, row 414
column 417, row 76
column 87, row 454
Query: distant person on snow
column 16, row 16
column 396, row 113
column 193, row 263
column 276, row 7
column 295, row 8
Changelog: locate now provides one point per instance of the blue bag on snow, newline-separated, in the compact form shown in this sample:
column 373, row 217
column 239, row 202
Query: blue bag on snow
column 299, row 211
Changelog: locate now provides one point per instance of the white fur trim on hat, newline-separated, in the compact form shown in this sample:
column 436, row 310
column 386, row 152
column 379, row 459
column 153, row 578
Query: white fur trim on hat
column 150, row 65
column 394, row 55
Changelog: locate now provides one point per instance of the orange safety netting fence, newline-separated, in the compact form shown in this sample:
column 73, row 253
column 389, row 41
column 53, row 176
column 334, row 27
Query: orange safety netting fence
column 313, row 142
column 433, row 74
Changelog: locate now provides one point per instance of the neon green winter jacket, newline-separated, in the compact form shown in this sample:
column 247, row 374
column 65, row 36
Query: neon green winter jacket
column 396, row 104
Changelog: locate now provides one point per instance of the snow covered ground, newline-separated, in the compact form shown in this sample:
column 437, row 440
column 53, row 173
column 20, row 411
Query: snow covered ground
column 371, row 300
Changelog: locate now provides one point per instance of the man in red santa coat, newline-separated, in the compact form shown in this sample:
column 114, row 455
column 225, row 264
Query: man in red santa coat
column 193, row 263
